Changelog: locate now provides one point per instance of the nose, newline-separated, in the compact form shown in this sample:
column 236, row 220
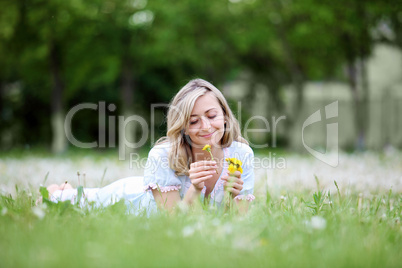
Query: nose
column 205, row 124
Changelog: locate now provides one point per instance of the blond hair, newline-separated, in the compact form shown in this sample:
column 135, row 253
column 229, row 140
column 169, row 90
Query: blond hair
column 180, row 108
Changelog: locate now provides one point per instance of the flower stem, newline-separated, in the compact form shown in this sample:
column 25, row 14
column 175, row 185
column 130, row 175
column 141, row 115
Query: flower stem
column 212, row 158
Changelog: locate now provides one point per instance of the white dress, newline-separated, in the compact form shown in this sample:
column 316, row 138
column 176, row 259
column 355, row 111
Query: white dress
column 136, row 191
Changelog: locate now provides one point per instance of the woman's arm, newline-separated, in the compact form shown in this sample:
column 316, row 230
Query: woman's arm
column 168, row 200
column 199, row 172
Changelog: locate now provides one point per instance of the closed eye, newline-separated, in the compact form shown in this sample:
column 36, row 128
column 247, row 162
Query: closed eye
column 196, row 121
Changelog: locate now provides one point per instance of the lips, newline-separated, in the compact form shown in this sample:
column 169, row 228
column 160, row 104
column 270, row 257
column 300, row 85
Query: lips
column 208, row 135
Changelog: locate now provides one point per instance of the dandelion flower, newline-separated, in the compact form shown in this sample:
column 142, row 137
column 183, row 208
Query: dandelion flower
column 208, row 149
column 232, row 169
column 234, row 165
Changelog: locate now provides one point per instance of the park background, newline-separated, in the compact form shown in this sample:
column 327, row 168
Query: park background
column 275, row 58
column 270, row 58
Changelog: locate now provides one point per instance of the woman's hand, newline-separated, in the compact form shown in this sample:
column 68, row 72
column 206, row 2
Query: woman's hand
column 233, row 183
column 200, row 172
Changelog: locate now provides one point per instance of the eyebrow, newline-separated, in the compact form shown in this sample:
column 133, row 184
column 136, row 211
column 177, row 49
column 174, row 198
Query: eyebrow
column 205, row 112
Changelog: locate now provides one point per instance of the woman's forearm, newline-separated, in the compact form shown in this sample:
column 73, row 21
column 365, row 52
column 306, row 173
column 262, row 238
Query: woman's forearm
column 191, row 195
column 169, row 200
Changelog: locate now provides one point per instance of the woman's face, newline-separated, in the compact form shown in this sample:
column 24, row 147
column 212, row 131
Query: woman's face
column 207, row 121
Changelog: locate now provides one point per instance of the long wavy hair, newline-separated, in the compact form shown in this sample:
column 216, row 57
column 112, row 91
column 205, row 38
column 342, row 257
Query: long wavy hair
column 178, row 118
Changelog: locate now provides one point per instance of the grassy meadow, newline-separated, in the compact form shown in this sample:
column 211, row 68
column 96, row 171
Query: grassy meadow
column 326, row 225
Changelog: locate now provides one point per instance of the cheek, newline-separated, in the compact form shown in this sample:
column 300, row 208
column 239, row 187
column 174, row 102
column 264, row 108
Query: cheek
column 219, row 124
column 219, row 120
column 192, row 133
column 192, row 130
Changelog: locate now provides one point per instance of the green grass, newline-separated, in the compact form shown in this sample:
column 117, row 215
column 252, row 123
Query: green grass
column 72, row 153
column 301, row 230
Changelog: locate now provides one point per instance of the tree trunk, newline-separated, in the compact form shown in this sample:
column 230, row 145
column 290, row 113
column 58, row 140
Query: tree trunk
column 127, row 100
column 292, row 66
column 363, row 50
column 57, row 113
column 292, row 121
column 352, row 78
column 3, row 143
column 365, row 103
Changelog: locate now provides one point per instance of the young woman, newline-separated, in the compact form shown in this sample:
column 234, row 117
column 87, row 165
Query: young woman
column 178, row 169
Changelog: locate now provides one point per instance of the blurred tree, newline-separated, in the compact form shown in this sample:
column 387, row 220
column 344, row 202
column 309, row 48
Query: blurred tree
column 194, row 37
column 9, row 90
column 258, row 48
column 124, row 37
column 285, row 43
column 388, row 26
column 136, row 52
column 310, row 40
column 353, row 29
column 41, row 35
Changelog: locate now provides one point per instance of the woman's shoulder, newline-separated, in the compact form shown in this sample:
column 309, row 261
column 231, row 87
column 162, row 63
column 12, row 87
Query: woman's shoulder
column 241, row 151
column 240, row 147
column 160, row 149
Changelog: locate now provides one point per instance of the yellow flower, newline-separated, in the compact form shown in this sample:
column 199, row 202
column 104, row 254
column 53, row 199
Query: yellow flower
column 237, row 161
column 240, row 169
column 234, row 165
column 234, row 161
column 207, row 148
column 232, row 168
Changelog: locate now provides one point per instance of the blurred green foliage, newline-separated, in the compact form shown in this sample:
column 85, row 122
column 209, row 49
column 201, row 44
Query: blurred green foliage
column 56, row 54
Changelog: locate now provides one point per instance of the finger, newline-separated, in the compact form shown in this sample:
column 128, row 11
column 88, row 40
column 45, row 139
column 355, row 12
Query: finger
column 234, row 191
column 237, row 180
column 237, row 186
column 229, row 184
column 202, row 179
column 237, row 174
column 234, row 184
column 232, row 178
column 201, row 174
column 203, row 163
column 203, row 168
